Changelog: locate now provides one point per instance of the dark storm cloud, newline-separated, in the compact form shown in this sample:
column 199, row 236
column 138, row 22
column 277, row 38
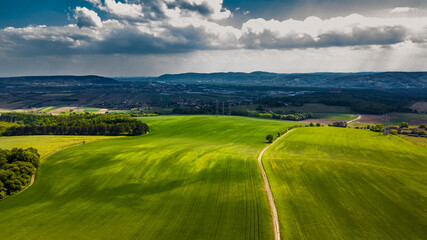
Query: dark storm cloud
column 130, row 42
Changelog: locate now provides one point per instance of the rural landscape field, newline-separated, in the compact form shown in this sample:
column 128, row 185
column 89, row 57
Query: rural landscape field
column 196, row 177
column 190, row 178
column 332, row 183
column 213, row 120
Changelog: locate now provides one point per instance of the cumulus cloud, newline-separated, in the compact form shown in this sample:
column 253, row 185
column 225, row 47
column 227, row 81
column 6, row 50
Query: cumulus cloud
column 352, row 30
column 87, row 18
column 123, row 10
column 117, row 37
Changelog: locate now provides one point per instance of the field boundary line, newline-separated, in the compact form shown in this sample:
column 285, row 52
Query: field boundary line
column 268, row 189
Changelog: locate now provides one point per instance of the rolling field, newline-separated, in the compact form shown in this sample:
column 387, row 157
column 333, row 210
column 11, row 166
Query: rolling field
column 192, row 177
column 333, row 183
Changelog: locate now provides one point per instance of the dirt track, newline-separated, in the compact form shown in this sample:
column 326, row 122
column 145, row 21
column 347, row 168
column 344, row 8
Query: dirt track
column 268, row 189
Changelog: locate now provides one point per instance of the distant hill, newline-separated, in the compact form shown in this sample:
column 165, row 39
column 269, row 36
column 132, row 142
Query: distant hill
column 344, row 80
column 382, row 80
column 57, row 81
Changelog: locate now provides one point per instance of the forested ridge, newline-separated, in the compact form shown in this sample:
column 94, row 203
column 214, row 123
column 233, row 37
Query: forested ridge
column 17, row 166
column 78, row 124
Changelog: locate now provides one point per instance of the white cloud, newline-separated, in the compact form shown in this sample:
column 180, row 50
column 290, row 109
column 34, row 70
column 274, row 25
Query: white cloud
column 351, row 30
column 87, row 18
column 403, row 10
column 123, row 10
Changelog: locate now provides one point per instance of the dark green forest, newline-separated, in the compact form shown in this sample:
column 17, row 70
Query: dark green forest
column 244, row 112
column 78, row 124
column 17, row 166
column 366, row 101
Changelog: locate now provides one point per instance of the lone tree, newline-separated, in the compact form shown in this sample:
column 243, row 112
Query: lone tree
column 404, row 125
column 269, row 138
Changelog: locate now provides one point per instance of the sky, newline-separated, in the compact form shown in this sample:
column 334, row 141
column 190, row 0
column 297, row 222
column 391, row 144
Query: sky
column 154, row 37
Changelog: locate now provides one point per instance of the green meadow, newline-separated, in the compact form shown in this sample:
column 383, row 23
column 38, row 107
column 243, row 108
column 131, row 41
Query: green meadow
column 333, row 183
column 192, row 177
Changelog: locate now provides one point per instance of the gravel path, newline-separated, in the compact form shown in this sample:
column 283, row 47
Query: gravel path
column 268, row 189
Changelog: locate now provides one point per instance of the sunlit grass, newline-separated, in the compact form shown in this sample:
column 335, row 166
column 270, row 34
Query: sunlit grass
column 333, row 183
column 192, row 177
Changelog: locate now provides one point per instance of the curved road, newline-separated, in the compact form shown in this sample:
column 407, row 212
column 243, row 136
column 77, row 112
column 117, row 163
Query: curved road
column 268, row 189
column 359, row 116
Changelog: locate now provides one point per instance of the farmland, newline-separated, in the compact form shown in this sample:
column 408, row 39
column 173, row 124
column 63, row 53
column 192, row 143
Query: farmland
column 47, row 144
column 333, row 183
column 192, row 177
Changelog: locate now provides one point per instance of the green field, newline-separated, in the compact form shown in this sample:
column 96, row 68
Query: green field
column 47, row 144
column 333, row 183
column 398, row 118
column 192, row 177
column 90, row 110
column 47, row 109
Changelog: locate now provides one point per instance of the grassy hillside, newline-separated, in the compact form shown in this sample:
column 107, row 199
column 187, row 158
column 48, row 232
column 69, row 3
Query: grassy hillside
column 192, row 177
column 332, row 183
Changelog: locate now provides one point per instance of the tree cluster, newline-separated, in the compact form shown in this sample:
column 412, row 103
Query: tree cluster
column 338, row 124
column 17, row 167
column 376, row 127
column 80, row 124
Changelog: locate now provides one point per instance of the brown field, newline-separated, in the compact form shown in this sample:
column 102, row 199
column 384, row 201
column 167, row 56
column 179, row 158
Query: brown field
column 417, row 122
column 369, row 118
column 420, row 107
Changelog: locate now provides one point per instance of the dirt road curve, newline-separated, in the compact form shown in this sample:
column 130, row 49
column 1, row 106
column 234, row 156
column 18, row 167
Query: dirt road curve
column 359, row 116
column 268, row 189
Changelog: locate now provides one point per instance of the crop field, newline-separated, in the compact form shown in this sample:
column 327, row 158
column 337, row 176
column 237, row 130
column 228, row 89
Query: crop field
column 47, row 144
column 411, row 118
column 333, row 183
column 192, row 177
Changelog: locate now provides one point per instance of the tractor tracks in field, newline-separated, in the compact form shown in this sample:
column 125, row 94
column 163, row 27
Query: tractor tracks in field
column 273, row 208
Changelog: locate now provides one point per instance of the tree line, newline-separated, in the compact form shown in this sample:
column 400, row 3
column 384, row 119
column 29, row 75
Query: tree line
column 17, row 167
column 245, row 112
column 79, row 124
column 272, row 115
